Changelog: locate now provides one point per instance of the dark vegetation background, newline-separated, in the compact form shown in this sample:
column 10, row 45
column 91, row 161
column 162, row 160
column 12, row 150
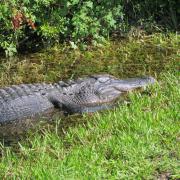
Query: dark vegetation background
column 29, row 25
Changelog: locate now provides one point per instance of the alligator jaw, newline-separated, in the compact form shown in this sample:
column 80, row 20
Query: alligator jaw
column 132, row 83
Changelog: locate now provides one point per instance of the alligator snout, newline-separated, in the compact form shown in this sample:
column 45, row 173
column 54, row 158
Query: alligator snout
column 116, row 86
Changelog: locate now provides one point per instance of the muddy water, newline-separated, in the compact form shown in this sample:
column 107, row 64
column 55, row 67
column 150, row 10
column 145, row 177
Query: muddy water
column 120, row 58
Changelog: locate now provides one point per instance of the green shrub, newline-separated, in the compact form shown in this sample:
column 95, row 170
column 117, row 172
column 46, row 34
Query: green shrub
column 32, row 23
column 150, row 12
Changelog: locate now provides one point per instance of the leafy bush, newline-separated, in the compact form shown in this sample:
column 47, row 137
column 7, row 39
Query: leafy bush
column 31, row 23
column 149, row 12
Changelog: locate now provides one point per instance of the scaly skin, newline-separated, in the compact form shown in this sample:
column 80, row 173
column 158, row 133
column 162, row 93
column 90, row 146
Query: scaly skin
column 24, row 101
column 93, row 93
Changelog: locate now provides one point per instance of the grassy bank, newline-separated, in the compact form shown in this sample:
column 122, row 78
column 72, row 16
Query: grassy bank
column 132, row 57
column 139, row 140
column 135, row 141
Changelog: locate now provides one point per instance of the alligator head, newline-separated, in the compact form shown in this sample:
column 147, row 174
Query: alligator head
column 96, row 92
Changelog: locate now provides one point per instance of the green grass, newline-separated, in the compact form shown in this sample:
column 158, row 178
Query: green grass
column 135, row 141
column 140, row 140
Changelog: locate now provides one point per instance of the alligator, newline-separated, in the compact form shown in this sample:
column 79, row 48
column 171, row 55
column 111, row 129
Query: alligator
column 25, row 102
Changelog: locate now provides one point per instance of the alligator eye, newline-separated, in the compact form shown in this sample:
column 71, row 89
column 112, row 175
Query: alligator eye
column 103, row 79
column 64, row 93
column 43, row 93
